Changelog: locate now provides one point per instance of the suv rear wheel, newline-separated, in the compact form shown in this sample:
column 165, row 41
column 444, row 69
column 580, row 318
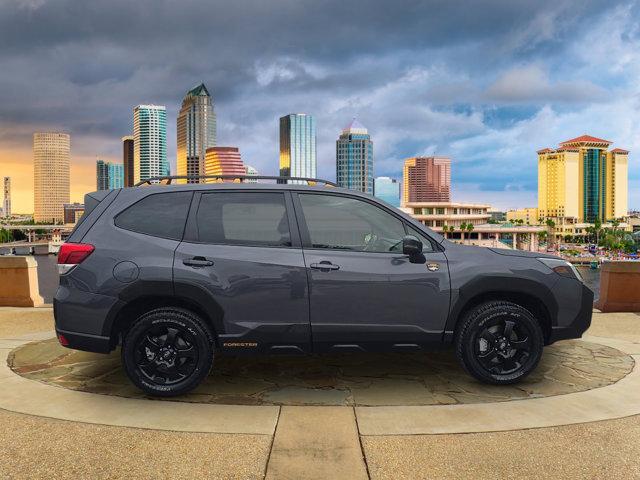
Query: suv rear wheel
column 499, row 342
column 167, row 352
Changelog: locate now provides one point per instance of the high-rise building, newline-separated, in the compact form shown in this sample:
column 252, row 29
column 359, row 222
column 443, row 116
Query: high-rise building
column 426, row 179
column 102, row 175
column 388, row 189
column 354, row 158
column 196, row 131
column 223, row 161
column 6, row 205
column 298, row 146
column 581, row 180
column 149, row 142
column 127, row 160
column 109, row 175
column 51, row 158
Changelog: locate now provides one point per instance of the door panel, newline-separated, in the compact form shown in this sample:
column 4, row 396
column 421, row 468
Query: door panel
column 243, row 251
column 261, row 291
column 372, row 296
column 377, row 300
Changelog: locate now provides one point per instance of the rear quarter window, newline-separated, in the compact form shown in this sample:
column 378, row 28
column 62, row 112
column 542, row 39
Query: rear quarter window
column 160, row 215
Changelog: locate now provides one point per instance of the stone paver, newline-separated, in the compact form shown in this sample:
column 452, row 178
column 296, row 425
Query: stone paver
column 363, row 380
column 316, row 443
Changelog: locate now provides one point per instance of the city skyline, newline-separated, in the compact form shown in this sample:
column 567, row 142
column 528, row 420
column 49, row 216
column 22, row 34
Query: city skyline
column 485, row 97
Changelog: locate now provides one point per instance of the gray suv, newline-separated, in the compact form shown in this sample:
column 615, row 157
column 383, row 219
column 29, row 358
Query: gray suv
column 178, row 274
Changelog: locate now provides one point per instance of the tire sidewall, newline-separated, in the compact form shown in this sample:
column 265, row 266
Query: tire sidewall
column 175, row 319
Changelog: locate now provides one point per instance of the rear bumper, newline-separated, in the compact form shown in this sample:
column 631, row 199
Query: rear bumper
column 84, row 319
column 580, row 323
column 83, row 341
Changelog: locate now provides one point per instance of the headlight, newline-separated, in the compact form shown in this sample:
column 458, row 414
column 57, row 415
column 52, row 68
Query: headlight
column 562, row 267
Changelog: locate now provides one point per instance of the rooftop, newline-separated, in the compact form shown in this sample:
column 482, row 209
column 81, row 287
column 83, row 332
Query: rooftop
column 586, row 139
column 199, row 91
column 355, row 127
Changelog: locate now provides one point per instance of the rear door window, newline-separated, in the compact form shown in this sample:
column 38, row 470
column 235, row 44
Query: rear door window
column 160, row 214
column 243, row 218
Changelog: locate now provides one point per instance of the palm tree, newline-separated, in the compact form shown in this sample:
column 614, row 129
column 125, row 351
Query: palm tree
column 463, row 227
column 550, row 225
column 469, row 229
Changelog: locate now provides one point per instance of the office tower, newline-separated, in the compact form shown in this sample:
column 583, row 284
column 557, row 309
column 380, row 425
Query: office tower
column 426, row 179
column 6, row 205
column 388, row 189
column 298, row 146
column 109, row 175
column 354, row 158
column 223, row 161
column 51, row 157
column 249, row 170
column 196, row 131
column 102, row 175
column 582, row 181
column 127, row 160
column 149, row 142
column 73, row 212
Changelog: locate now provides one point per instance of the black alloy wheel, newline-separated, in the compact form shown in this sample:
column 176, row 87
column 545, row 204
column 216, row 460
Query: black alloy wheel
column 167, row 352
column 503, row 347
column 166, row 355
column 499, row 342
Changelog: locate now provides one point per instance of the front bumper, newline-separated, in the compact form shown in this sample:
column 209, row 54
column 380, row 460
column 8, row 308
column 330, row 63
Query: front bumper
column 580, row 323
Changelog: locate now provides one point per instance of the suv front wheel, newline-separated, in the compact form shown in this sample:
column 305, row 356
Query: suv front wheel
column 167, row 352
column 499, row 342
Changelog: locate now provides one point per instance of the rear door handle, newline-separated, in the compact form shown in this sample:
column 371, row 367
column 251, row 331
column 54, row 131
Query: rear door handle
column 325, row 265
column 197, row 262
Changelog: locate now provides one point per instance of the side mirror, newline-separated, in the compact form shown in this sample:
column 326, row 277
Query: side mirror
column 411, row 246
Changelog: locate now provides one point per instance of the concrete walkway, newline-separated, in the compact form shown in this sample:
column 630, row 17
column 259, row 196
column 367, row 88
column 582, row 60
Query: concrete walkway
column 321, row 442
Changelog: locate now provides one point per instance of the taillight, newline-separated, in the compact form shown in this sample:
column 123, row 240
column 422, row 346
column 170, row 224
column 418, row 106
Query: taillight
column 72, row 254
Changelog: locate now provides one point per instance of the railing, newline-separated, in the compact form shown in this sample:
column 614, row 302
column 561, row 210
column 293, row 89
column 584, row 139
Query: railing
column 241, row 178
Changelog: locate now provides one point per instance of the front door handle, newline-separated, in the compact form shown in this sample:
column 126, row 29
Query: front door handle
column 197, row 262
column 325, row 266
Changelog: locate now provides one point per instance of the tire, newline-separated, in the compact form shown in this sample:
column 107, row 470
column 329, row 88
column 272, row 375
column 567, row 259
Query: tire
column 167, row 352
column 499, row 342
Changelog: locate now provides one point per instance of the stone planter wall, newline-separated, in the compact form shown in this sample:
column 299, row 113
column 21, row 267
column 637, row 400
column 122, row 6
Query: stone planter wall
column 619, row 287
column 19, row 282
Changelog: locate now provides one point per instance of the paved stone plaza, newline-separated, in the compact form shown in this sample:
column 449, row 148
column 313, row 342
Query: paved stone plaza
column 363, row 380
column 68, row 414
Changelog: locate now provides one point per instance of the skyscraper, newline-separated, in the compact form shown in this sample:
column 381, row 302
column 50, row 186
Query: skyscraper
column 581, row 181
column 115, row 172
column 223, row 161
column 388, row 189
column 51, row 157
column 426, row 179
column 354, row 158
column 102, row 175
column 149, row 142
column 196, row 131
column 6, row 206
column 109, row 175
column 298, row 146
column 127, row 160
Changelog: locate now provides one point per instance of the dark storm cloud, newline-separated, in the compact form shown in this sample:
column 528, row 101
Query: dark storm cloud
column 418, row 73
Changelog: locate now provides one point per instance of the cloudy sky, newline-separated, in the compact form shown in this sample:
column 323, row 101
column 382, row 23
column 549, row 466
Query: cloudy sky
column 486, row 83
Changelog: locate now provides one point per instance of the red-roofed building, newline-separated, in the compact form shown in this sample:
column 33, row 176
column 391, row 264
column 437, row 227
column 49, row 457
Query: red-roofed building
column 581, row 181
column 585, row 139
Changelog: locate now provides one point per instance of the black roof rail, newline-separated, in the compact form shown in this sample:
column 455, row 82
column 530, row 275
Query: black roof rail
column 170, row 178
